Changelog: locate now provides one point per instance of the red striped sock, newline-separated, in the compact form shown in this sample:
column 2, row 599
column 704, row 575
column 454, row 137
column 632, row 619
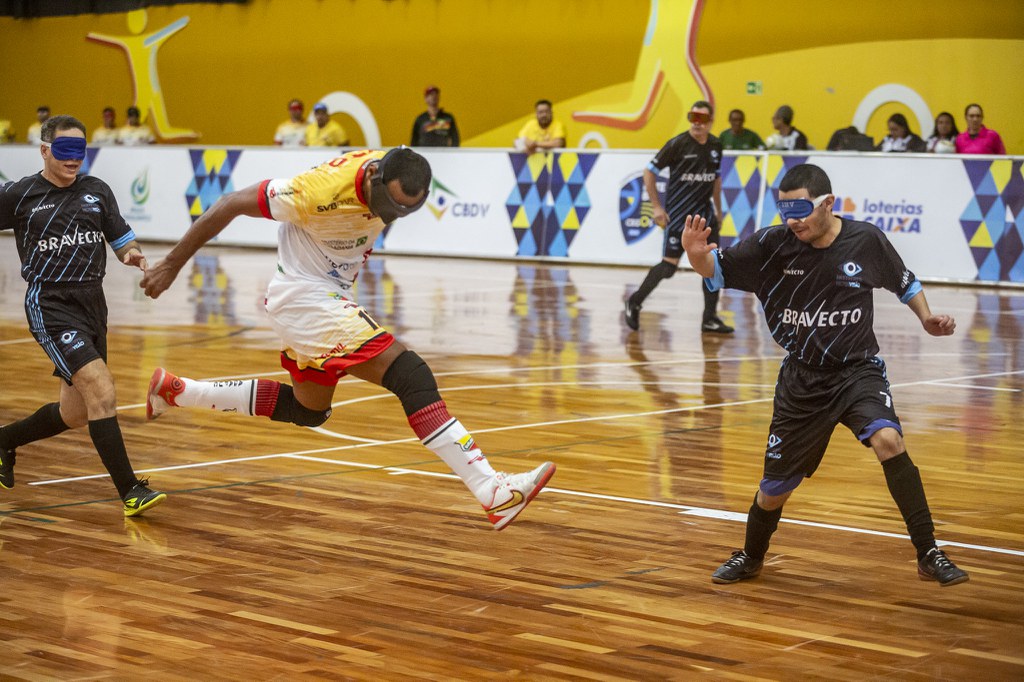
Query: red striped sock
column 266, row 397
column 432, row 417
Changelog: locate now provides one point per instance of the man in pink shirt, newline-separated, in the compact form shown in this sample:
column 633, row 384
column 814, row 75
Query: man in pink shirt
column 978, row 139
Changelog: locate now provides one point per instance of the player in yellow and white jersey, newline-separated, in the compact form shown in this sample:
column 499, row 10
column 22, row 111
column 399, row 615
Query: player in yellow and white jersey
column 330, row 217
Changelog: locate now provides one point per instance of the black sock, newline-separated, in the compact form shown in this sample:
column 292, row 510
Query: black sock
column 761, row 523
column 662, row 270
column 44, row 423
column 904, row 481
column 710, row 302
column 106, row 436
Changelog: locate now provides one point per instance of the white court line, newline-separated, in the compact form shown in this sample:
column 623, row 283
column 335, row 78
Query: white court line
column 689, row 510
column 976, row 388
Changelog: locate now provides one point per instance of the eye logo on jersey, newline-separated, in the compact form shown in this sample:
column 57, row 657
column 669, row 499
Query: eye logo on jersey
column 68, row 337
column 849, row 278
column 211, row 178
column 549, row 202
column 636, row 215
column 90, row 198
column 773, row 444
column 851, row 269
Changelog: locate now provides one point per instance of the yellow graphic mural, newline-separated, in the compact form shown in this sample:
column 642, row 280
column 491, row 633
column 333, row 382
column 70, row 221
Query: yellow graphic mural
column 620, row 74
column 141, row 52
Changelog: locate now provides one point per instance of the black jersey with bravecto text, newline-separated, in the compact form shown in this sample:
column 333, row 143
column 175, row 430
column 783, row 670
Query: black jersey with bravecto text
column 62, row 232
column 818, row 302
column 693, row 169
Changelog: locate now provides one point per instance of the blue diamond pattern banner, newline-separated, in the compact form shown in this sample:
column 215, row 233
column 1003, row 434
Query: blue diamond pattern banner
column 211, row 178
column 549, row 202
column 993, row 221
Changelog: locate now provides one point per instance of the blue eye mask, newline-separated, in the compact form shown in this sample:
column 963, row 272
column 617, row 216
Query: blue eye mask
column 795, row 209
column 65, row 148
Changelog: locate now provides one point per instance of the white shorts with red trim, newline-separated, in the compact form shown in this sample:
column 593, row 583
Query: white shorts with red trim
column 322, row 332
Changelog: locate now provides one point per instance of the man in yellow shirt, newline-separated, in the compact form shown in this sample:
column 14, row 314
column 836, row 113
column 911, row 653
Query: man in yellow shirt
column 292, row 133
column 543, row 133
column 6, row 131
column 329, row 218
column 109, row 133
column 324, row 132
column 134, row 133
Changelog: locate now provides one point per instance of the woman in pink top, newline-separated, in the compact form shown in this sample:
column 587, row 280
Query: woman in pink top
column 978, row 139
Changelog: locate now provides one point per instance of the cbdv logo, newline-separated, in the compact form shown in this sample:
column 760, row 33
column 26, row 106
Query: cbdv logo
column 442, row 200
column 898, row 216
column 636, row 216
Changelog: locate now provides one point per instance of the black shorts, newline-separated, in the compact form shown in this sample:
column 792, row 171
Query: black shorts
column 810, row 402
column 672, row 247
column 70, row 322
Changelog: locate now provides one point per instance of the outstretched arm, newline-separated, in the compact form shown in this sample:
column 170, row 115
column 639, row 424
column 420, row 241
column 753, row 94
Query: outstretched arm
column 243, row 202
column 695, row 241
column 936, row 325
column 131, row 255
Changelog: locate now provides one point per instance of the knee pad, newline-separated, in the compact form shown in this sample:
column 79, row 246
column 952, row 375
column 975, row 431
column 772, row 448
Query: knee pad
column 666, row 270
column 290, row 410
column 411, row 380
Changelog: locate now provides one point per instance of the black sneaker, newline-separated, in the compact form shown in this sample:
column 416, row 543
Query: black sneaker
column 739, row 567
column 632, row 315
column 716, row 326
column 140, row 498
column 7, row 468
column 936, row 566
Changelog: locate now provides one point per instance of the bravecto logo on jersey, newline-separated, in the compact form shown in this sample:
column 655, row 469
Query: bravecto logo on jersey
column 889, row 215
column 636, row 215
column 75, row 239
column 821, row 318
column 442, row 200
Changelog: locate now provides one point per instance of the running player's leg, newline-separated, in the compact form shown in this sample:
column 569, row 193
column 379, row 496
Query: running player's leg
column 798, row 437
column 94, row 386
column 871, row 415
column 405, row 374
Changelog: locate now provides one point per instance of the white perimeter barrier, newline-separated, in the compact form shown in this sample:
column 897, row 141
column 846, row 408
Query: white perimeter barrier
column 952, row 218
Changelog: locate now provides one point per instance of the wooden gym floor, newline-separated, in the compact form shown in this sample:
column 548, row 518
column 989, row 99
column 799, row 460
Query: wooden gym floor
column 349, row 552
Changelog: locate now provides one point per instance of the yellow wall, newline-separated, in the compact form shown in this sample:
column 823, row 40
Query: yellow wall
column 229, row 73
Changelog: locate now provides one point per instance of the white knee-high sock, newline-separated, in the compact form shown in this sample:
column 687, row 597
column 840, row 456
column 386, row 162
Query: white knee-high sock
column 226, row 396
column 449, row 440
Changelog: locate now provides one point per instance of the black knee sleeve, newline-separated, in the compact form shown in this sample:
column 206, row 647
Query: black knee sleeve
column 411, row 380
column 290, row 410
column 666, row 270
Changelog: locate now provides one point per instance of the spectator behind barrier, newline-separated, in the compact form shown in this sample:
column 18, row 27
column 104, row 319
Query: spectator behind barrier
column 6, row 131
column 900, row 137
column 324, row 132
column 292, row 133
column 786, row 137
column 943, row 139
column 134, row 133
column 543, row 133
column 738, row 137
column 435, row 127
column 978, row 139
column 108, row 132
column 851, row 140
column 32, row 136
